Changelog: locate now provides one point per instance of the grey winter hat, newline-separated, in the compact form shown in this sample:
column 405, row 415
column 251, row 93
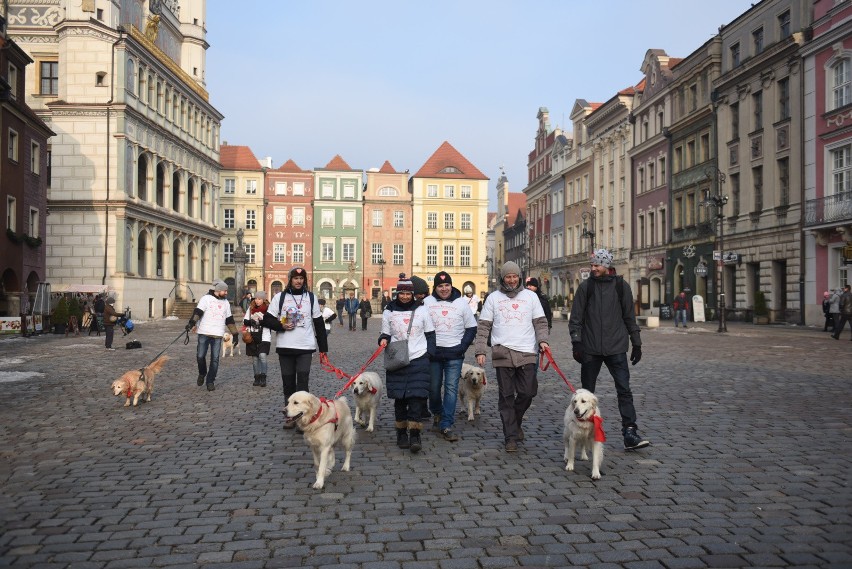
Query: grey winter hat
column 602, row 257
column 509, row 268
column 219, row 285
column 261, row 294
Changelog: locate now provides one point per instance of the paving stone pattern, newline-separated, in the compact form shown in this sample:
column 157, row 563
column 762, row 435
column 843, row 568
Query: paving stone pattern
column 749, row 465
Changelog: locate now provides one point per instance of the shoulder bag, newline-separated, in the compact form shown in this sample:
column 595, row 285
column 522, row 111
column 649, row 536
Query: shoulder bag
column 396, row 353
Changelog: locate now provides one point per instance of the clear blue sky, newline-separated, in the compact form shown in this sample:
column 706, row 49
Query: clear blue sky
column 391, row 80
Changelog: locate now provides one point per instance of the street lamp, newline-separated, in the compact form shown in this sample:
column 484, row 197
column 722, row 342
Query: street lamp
column 381, row 263
column 589, row 220
column 718, row 201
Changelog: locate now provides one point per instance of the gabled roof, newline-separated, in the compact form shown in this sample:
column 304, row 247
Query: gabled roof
column 447, row 162
column 517, row 207
column 290, row 166
column 339, row 164
column 387, row 168
column 237, row 158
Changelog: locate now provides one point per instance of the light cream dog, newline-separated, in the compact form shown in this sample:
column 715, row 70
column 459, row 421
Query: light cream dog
column 471, row 388
column 138, row 382
column 228, row 345
column 367, row 390
column 584, row 428
column 326, row 424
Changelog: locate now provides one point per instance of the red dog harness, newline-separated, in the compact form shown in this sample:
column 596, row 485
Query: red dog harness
column 327, row 403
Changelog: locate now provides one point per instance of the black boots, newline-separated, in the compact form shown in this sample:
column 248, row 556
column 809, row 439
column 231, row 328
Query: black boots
column 263, row 380
column 256, row 381
column 414, row 428
column 259, row 380
column 402, row 434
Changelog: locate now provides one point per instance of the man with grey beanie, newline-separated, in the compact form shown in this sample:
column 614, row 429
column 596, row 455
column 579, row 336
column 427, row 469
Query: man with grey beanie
column 602, row 321
column 512, row 316
column 211, row 316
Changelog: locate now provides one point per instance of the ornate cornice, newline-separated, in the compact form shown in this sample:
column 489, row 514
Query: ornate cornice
column 161, row 56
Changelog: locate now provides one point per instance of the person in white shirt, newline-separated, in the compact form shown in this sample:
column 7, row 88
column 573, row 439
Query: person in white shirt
column 472, row 302
column 455, row 329
column 296, row 315
column 405, row 318
column 328, row 315
column 515, row 321
column 212, row 315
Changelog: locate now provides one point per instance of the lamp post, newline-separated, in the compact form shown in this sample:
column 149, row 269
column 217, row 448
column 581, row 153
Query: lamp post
column 381, row 262
column 718, row 201
column 589, row 220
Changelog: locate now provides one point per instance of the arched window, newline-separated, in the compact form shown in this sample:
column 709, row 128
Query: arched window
column 388, row 191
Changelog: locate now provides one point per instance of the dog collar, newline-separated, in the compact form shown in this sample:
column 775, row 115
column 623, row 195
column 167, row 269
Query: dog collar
column 327, row 403
column 600, row 435
column 373, row 390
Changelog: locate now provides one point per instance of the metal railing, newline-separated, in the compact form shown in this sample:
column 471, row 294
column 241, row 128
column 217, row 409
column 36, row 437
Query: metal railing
column 177, row 286
column 829, row 209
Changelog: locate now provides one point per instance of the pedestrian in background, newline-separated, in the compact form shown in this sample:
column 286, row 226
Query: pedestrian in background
column 261, row 337
column 110, row 317
column 845, row 312
column 602, row 321
column 385, row 300
column 455, row 329
column 341, row 302
column 681, row 306
column 328, row 315
column 826, row 311
column 472, row 302
column 365, row 311
column 100, row 306
column 407, row 319
column 351, row 308
column 834, row 307
column 212, row 315
column 421, row 288
column 532, row 284
column 513, row 318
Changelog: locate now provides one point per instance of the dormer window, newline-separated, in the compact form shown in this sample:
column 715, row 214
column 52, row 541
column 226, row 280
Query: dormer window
column 450, row 170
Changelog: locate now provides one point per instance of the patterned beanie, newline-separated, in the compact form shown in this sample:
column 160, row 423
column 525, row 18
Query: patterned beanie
column 602, row 257
column 404, row 284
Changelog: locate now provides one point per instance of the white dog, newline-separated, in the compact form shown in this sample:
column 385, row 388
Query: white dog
column 325, row 424
column 228, row 344
column 584, row 427
column 367, row 389
column 471, row 388
column 138, row 382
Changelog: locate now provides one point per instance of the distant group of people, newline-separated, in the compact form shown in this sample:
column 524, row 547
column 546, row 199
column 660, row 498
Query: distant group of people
column 837, row 308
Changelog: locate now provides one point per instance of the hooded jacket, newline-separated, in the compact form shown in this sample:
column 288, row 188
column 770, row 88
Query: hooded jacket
column 599, row 322
column 455, row 326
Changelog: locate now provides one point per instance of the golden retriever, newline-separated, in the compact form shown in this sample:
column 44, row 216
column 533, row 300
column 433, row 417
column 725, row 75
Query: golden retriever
column 584, row 428
column 367, row 390
column 471, row 388
column 325, row 424
column 138, row 382
column 228, row 345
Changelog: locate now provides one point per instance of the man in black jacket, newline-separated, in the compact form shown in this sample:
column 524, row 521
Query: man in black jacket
column 602, row 322
column 532, row 284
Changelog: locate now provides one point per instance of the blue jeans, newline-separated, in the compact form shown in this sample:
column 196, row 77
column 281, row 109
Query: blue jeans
column 617, row 366
column 680, row 316
column 215, row 346
column 446, row 372
column 259, row 364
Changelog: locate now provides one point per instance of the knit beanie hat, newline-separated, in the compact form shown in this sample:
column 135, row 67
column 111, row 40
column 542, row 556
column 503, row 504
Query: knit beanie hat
column 602, row 257
column 510, row 268
column 404, row 284
column 420, row 286
column 261, row 294
column 443, row 277
column 110, row 300
column 531, row 281
column 297, row 272
column 219, row 285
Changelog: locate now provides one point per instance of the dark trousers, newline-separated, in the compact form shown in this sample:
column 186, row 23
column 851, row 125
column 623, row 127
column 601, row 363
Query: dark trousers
column 617, row 366
column 364, row 322
column 295, row 371
column 829, row 321
column 352, row 320
column 409, row 409
column 110, row 331
column 516, row 387
column 838, row 328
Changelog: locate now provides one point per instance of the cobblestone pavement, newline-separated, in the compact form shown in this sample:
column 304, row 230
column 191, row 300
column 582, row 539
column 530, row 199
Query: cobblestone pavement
column 749, row 464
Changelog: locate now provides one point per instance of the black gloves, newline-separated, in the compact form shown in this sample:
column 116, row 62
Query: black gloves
column 636, row 355
column 236, row 339
column 189, row 325
column 578, row 351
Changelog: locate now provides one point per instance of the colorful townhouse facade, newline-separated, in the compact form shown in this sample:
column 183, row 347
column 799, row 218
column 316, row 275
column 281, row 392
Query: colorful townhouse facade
column 387, row 245
column 537, row 191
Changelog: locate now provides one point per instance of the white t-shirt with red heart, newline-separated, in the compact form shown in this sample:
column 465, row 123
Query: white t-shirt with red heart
column 450, row 319
column 395, row 324
column 512, row 319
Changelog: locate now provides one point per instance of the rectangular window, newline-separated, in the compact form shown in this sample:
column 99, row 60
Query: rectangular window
column 348, row 218
column 13, row 81
column 250, row 219
column 349, row 191
column 279, row 216
column 735, row 55
column 327, row 218
column 449, row 256
column 757, row 178
column 398, row 254
column 250, row 251
column 230, row 185
column 784, row 182
column 12, row 151
column 327, row 251
column 279, row 252
column 690, row 154
column 432, row 220
column 298, row 253
column 432, row 191
column 49, row 75
column 757, row 108
column 704, row 151
column 466, row 192
column 784, row 25
column 677, row 220
column 757, row 37
column 280, row 188
column 678, row 159
column 229, row 218
column 784, row 99
column 11, row 213
column 378, row 216
column 449, row 220
column 251, row 187
column 449, row 192
column 399, row 218
column 376, row 253
column 228, row 250
column 298, row 188
column 35, row 158
column 464, row 255
column 689, row 210
column 327, row 190
column 841, row 169
column 299, row 216
column 348, row 251
column 465, row 221
column 432, row 255
column 735, row 195
column 33, row 229
column 841, row 83
column 662, row 170
column 735, row 121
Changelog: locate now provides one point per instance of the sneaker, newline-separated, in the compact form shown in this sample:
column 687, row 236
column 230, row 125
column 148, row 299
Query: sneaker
column 110, row 349
column 200, row 381
column 632, row 439
column 436, row 421
column 511, row 446
column 449, row 435
column 211, row 387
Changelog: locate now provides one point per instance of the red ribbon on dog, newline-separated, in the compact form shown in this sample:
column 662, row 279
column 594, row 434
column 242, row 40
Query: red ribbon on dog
column 600, row 435
column 326, row 364
column 550, row 361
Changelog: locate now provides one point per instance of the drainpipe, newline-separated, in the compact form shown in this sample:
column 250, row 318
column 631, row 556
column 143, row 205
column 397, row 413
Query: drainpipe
column 108, row 134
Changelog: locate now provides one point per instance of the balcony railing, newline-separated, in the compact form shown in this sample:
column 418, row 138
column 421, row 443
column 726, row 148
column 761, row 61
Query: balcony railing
column 829, row 209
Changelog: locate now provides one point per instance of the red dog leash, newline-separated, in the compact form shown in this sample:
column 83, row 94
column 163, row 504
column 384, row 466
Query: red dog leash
column 326, row 365
column 550, row 361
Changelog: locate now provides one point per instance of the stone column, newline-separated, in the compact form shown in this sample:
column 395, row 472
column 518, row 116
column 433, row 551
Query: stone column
column 240, row 260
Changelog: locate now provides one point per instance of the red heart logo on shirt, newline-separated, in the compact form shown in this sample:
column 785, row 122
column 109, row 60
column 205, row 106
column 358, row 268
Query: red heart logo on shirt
column 406, row 320
column 515, row 306
column 443, row 313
